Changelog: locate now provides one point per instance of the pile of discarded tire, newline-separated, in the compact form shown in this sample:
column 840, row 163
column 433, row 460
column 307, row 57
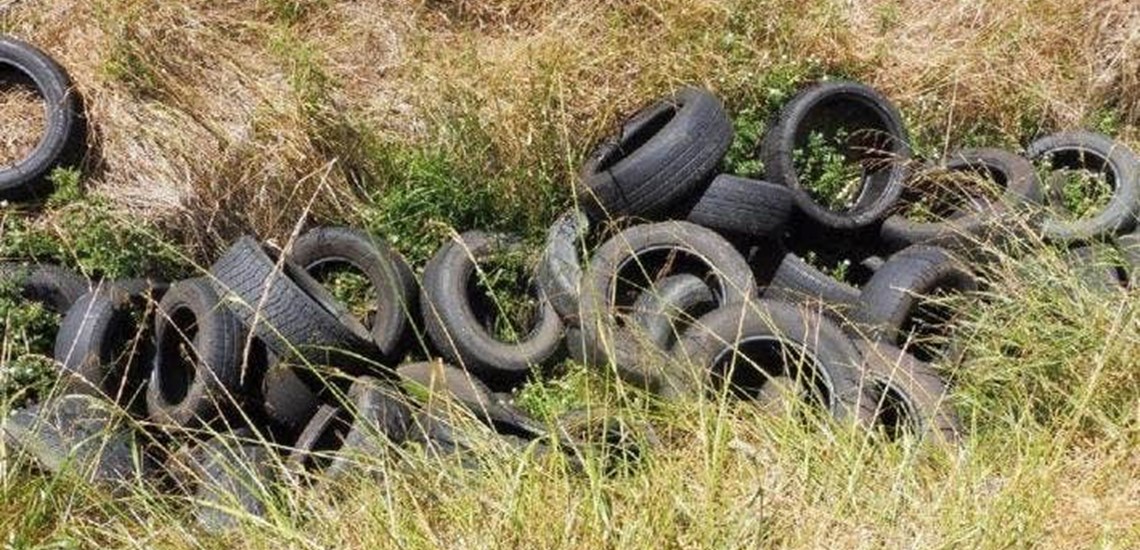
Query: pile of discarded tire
column 681, row 281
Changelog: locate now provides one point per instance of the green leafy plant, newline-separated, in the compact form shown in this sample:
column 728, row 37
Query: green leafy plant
column 826, row 172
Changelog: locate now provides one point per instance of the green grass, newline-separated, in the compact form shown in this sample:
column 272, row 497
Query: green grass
column 825, row 171
column 1082, row 193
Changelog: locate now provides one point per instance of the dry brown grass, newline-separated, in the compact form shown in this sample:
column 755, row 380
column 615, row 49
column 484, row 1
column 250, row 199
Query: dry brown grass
column 22, row 121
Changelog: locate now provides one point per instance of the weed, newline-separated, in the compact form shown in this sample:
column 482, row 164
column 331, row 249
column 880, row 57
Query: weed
column 826, row 172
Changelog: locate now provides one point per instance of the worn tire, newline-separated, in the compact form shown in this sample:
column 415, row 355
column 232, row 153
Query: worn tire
column 662, row 154
column 290, row 311
column 55, row 287
column 1094, row 269
column 388, row 272
column 893, row 299
column 850, row 105
column 1129, row 247
column 912, row 390
column 442, row 380
column 663, row 310
column 963, row 232
column 454, row 326
column 103, row 347
column 743, row 207
column 679, row 246
column 1091, row 151
column 208, row 389
column 798, row 282
column 560, row 270
column 286, row 396
column 64, row 133
column 766, row 333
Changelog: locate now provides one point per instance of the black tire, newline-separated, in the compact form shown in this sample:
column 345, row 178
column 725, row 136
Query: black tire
column 55, row 287
column 234, row 481
column 560, row 270
column 64, row 131
column 453, row 321
column 290, row 311
column 200, row 384
column 637, row 257
column 439, row 379
column 396, row 305
column 851, row 106
column 104, row 344
column 775, row 339
column 1129, row 247
column 1093, row 266
column 743, row 207
column 895, row 302
column 286, row 397
column 966, row 230
column 910, row 394
column 798, row 282
column 663, row 311
column 661, row 155
column 1094, row 152
column 372, row 416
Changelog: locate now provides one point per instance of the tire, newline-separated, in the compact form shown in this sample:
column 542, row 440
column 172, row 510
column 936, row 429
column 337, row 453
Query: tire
column 662, row 154
column 798, row 282
column 892, row 302
column 966, row 231
column 671, row 304
column 439, row 379
column 1090, row 151
column 1129, row 247
column 560, row 270
column 104, row 344
column 290, row 311
column 234, row 482
column 767, row 333
column 743, row 207
column 64, row 133
column 372, row 416
column 909, row 392
column 208, row 389
column 848, row 105
column 674, row 247
column 388, row 272
column 77, row 433
column 55, row 287
column 1094, row 270
column 452, row 317
column 286, row 397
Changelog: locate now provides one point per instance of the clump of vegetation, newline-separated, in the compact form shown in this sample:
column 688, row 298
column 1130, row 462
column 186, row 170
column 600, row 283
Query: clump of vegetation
column 511, row 306
column 1081, row 193
column 831, row 178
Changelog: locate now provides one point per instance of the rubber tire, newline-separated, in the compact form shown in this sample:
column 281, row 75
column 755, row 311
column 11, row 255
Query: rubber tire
column 93, row 337
column 298, row 317
column 219, row 343
column 234, row 479
column 661, row 312
column 440, row 379
column 726, row 328
column 64, row 125
column 1091, row 266
column 894, row 292
column 1129, row 247
column 743, row 207
column 286, row 397
column 388, row 272
column 881, row 190
column 559, row 272
column 54, row 287
column 604, row 340
column 661, row 155
column 798, row 282
column 455, row 329
column 923, row 391
column 966, row 232
column 1119, row 216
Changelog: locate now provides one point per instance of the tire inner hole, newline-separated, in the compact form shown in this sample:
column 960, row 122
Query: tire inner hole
column 636, row 132
column 1078, row 183
column 178, row 356
column 642, row 271
column 504, row 296
column 760, row 359
column 23, row 115
column 843, row 153
column 350, row 286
